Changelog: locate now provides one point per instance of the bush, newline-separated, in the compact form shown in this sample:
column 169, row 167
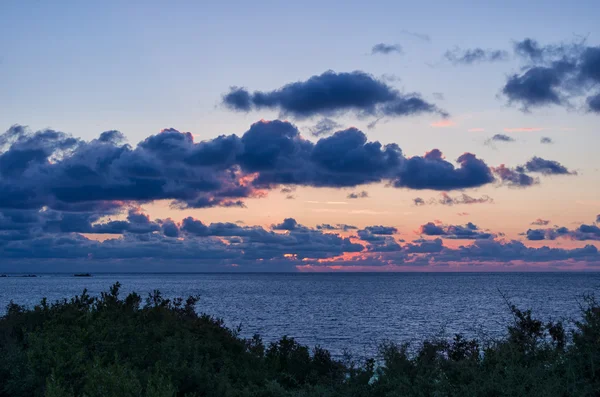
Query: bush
column 108, row 346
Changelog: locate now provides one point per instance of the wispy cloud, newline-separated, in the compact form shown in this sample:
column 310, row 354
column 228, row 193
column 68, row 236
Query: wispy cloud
column 524, row 129
column 420, row 36
column 443, row 123
column 386, row 49
column 475, row 55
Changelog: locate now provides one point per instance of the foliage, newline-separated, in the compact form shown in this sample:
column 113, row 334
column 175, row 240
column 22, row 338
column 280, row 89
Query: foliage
column 109, row 346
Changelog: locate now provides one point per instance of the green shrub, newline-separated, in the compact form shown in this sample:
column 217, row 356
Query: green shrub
column 109, row 346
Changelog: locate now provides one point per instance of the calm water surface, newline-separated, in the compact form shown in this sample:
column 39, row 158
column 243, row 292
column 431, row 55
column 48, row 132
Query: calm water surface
column 340, row 311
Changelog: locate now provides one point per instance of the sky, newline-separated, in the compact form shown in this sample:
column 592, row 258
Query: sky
column 313, row 136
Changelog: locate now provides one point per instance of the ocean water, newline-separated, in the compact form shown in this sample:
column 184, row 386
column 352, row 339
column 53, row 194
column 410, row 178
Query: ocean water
column 341, row 312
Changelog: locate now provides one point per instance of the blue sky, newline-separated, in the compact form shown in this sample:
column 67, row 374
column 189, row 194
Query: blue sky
column 84, row 68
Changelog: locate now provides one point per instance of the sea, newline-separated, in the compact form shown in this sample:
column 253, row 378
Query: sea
column 344, row 313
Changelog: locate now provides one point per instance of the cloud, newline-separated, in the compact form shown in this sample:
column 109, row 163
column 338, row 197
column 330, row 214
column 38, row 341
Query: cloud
column 446, row 199
column 418, row 201
column 433, row 172
column 469, row 231
column 287, row 224
column 545, row 167
column 386, row 49
column 470, row 56
column 499, row 138
column 26, row 243
column 582, row 233
column 330, row 94
column 554, row 75
column 54, row 170
column 443, row 123
column 381, row 230
column 190, row 239
column 357, row 195
column 339, row 226
column 538, row 86
column 278, row 155
column 523, row 129
column 379, row 238
column 491, row 250
column 593, row 103
column 420, row 36
column 540, row 222
column 325, row 126
column 56, row 189
column 546, row 140
column 514, row 177
column 517, row 177
column 529, row 48
column 476, row 130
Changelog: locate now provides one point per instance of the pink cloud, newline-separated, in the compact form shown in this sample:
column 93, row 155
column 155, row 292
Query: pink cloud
column 523, row 129
column 443, row 124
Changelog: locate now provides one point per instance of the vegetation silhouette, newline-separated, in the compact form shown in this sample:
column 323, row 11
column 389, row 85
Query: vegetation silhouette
column 111, row 346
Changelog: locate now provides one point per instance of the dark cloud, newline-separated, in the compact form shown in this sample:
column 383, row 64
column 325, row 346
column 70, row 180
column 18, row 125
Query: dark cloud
column 554, row 75
column 332, row 93
column 191, row 239
column 51, row 169
column 475, row 55
column 287, row 224
column 279, row 155
column 545, row 167
column 500, row 138
column 582, row 233
column 191, row 244
column 170, row 229
column 381, row 230
column 546, row 140
column 446, row 199
column 386, row 49
column 379, row 238
column 339, row 226
column 593, row 103
column 54, row 189
column 535, row 235
column 514, row 177
column 531, row 49
column 433, row 172
column 538, row 86
column 325, row 126
column 540, row 222
column 491, row 250
column 418, row 201
column 357, row 195
column 469, row 231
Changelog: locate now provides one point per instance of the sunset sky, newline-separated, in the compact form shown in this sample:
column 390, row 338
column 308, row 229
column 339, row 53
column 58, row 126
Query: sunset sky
column 306, row 136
